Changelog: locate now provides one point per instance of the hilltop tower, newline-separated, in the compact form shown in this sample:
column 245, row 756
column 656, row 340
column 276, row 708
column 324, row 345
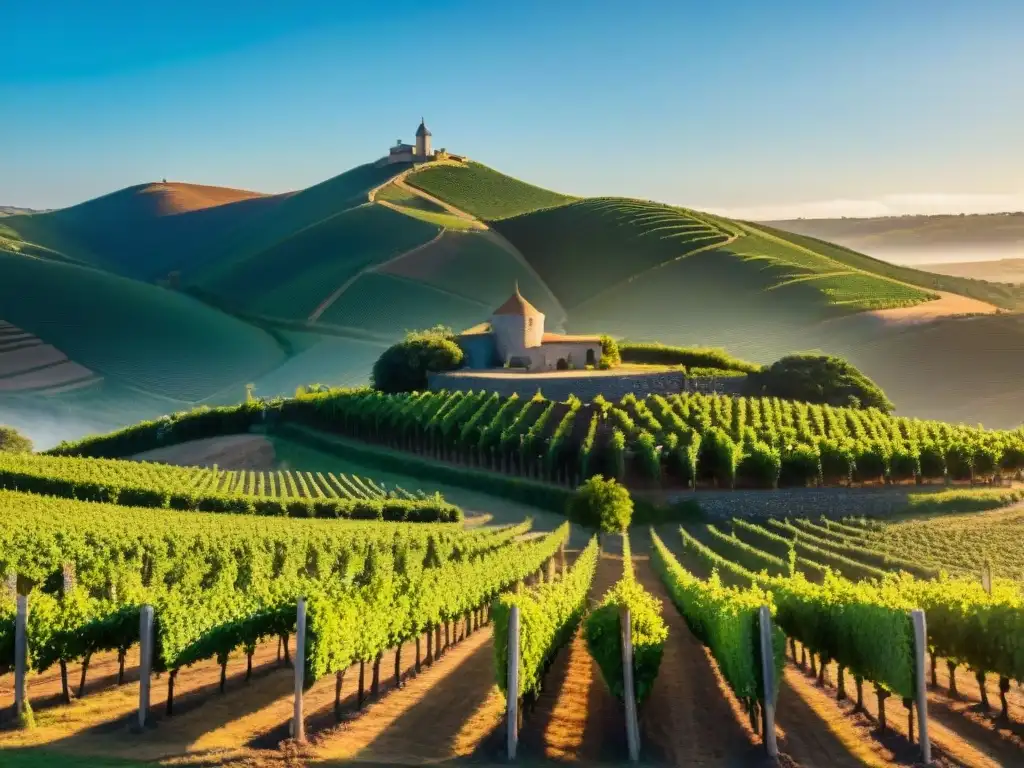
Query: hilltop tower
column 423, row 140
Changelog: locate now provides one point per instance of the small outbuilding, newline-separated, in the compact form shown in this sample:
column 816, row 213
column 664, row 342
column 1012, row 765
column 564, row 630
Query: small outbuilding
column 515, row 338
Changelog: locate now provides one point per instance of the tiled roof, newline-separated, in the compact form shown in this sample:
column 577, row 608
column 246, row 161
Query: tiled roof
column 557, row 338
column 517, row 305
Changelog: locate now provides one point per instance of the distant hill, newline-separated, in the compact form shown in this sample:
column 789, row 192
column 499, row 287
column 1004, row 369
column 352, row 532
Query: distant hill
column 147, row 230
column 174, row 294
column 1000, row 235
column 999, row 270
column 10, row 210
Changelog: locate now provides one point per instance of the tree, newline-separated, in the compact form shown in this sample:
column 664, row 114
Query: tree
column 601, row 504
column 824, row 379
column 610, row 352
column 12, row 441
column 404, row 366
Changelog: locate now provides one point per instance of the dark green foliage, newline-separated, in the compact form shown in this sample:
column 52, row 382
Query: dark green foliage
column 12, row 441
column 691, row 357
column 404, row 366
column 601, row 504
column 610, row 352
column 760, row 466
column 801, row 466
column 818, row 379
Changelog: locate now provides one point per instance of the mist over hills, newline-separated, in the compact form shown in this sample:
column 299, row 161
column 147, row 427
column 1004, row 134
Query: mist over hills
column 166, row 295
column 922, row 239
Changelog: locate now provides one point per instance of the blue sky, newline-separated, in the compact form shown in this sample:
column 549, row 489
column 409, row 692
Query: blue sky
column 748, row 107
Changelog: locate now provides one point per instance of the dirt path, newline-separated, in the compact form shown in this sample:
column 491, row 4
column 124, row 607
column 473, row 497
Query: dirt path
column 458, row 213
column 688, row 719
column 576, row 718
column 231, row 452
column 330, row 300
column 956, row 739
column 492, row 235
column 444, row 713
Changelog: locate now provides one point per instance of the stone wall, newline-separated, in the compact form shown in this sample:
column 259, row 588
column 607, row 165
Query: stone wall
column 834, row 503
column 722, row 385
column 584, row 385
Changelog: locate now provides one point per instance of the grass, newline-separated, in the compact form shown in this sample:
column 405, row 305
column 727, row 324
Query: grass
column 960, row 500
column 912, row 231
column 295, row 214
column 482, row 191
column 336, row 361
column 391, row 305
column 585, row 248
column 472, row 265
column 156, row 340
column 290, row 278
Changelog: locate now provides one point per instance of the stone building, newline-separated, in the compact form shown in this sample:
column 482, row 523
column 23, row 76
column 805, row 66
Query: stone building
column 421, row 151
column 515, row 337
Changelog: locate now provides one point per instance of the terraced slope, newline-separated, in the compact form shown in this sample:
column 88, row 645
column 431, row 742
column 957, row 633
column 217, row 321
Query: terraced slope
column 484, row 192
column 157, row 340
column 1005, row 296
column 27, row 364
column 605, row 250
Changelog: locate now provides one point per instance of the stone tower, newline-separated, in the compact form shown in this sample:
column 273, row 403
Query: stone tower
column 423, row 140
column 518, row 326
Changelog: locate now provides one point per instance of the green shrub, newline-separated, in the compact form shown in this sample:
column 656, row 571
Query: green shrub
column 601, row 504
column 12, row 441
column 610, row 354
column 719, row 457
column 403, row 367
column 818, row 379
column 801, row 466
column 691, row 357
column 760, row 466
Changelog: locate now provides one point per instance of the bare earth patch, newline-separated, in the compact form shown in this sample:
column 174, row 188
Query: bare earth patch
column 250, row 452
column 947, row 305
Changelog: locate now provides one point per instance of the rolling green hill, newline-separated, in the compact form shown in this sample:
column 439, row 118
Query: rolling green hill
column 147, row 230
column 1005, row 296
column 310, row 287
column 292, row 277
column 604, row 249
column 155, row 340
column 484, row 192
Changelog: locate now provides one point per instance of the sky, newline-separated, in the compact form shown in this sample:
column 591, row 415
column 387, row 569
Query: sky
column 743, row 107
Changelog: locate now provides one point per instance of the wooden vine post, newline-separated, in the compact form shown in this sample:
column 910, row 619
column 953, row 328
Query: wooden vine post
column 298, row 720
column 20, row 655
column 628, row 690
column 768, row 672
column 921, row 688
column 512, row 691
column 145, row 661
